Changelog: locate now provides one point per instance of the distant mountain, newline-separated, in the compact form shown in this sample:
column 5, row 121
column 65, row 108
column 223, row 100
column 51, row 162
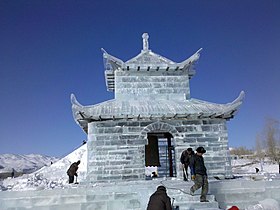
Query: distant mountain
column 22, row 164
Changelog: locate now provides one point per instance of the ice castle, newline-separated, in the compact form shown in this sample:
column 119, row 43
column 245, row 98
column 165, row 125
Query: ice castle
column 152, row 119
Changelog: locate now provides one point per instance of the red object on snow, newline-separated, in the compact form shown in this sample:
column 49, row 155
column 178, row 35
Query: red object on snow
column 233, row 208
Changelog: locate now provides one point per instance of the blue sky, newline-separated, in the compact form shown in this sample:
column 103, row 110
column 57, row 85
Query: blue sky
column 50, row 49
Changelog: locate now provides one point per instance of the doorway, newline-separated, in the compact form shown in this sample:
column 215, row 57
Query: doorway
column 160, row 153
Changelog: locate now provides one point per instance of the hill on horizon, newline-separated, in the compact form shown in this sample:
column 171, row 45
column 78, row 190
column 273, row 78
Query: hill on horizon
column 23, row 164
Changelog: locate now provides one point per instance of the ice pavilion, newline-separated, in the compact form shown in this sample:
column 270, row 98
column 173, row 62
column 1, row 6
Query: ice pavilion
column 152, row 119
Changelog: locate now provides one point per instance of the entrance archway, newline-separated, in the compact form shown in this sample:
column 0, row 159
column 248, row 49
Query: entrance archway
column 160, row 136
column 160, row 153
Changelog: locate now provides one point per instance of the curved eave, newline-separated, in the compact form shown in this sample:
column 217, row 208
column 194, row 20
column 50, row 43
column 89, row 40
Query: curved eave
column 192, row 59
column 111, row 63
column 155, row 110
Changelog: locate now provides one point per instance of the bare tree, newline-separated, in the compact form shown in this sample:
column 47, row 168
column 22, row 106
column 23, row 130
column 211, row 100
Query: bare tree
column 241, row 151
column 260, row 147
column 271, row 134
column 260, row 150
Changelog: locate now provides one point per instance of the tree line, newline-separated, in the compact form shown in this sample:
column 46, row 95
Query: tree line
column 267, row 143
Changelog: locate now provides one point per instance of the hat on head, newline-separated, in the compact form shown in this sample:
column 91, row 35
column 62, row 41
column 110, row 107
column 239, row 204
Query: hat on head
column 161, row 187
column 200, row 150
column 189, row 149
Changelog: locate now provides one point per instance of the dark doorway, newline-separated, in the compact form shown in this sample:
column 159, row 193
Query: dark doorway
column 160, row 153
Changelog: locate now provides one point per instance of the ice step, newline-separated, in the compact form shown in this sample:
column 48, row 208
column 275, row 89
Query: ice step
column 197, row 205
column 189, row 198
column 71, row 198
column 189, row 202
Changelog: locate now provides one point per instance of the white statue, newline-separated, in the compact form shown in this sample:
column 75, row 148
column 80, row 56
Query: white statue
column 145, row 37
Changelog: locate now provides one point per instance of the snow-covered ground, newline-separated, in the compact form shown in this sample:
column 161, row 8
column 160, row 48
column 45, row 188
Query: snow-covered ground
column 54, row 175
column 247, row 167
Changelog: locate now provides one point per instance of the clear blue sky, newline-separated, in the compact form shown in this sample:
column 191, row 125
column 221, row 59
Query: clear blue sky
column 50, row 49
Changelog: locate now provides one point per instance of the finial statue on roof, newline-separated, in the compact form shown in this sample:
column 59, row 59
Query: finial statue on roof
column 145, row 37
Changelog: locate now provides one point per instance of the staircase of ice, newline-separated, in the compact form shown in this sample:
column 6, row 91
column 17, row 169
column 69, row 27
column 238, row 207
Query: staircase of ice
column 103, row 196
column 134, row 195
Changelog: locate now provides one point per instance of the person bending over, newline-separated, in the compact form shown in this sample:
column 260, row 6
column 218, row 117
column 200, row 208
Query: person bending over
column 159, row 200
column 185, row 160
column 72, row 171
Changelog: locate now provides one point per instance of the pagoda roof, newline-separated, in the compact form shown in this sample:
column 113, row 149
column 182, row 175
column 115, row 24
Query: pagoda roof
column 146, row 60
column 157, row 109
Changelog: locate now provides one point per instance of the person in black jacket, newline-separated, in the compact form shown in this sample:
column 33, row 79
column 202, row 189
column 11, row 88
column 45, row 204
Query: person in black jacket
column 185, row 160
column 199, row 174
column 72, row 171
column 159, row 200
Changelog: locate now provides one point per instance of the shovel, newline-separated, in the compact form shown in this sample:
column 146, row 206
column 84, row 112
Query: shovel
column 76, row 182
column 186, row 174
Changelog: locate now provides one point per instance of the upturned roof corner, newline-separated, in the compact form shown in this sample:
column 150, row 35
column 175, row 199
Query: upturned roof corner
column 191, row 60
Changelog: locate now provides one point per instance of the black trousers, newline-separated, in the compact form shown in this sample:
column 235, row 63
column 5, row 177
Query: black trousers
column 71, row 179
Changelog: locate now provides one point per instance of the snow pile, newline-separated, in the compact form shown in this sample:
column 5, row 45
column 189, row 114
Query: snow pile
column 51, row 176
column 270, row 204
column 266, row 204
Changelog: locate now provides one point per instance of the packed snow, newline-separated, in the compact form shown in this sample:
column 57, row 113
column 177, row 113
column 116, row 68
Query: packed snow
column 54, row 175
